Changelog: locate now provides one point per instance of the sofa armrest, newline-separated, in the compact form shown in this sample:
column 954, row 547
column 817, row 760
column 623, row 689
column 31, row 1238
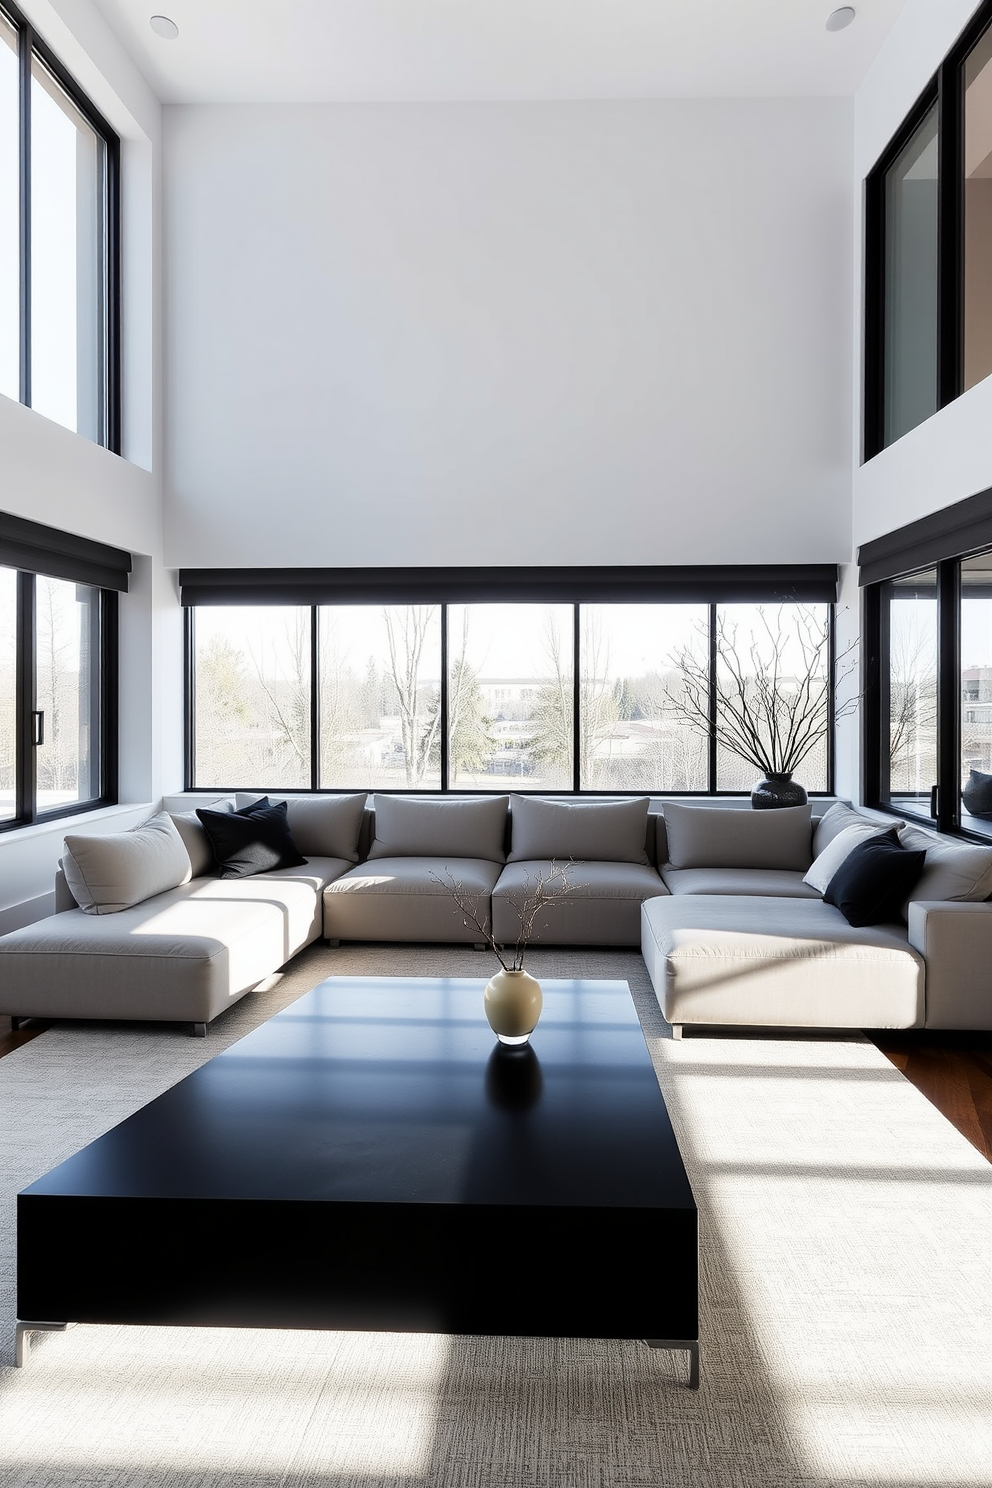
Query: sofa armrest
column 955, row 941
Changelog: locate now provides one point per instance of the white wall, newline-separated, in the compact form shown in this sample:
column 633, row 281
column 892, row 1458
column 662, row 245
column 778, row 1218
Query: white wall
column 524, row 333
column 949, row 456
column 51, row 475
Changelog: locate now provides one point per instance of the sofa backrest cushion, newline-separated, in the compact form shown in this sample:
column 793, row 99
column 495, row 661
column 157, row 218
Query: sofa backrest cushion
column 826, row 863
column 255, row 839
column 111, row 872
column 724, row 837
column 190, row 829
column 323, row 826
column 587, row 831
column 839, row 816
column 952, row 870
column 408, row 827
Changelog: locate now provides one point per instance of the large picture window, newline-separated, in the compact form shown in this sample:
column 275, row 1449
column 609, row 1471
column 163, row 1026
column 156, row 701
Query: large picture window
column 58, row 672
column 59, row 213
column 928, row 252
column 492, row 695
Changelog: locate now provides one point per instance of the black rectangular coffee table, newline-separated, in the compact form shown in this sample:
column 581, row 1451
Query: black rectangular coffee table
column 370, row 1158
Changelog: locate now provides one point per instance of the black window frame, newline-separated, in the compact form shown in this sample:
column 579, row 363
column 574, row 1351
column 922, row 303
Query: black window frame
column 32, row 45
column 940, row 542
column 316, row 588
column 31, row 550
column 946, row 89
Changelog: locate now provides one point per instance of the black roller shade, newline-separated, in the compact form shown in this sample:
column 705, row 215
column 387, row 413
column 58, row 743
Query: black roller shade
column 61, row 555
column 965, row 527
column 814, row 583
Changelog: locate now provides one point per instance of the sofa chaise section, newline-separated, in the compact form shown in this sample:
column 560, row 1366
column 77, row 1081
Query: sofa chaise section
column 780, row 963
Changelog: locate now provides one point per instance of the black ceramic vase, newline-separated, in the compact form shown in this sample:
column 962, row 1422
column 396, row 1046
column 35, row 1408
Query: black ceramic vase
column 777, row 790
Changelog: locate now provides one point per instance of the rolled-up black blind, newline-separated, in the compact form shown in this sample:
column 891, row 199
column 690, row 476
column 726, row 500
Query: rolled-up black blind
column 701, row 584
column 965, row 527
column 61, row 555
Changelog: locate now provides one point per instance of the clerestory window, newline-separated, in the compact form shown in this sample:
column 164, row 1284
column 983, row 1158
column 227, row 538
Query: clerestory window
column 59, row 230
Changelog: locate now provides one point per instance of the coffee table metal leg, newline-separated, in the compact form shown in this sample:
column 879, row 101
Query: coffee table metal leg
column 689, row 1346
column 23, row 1333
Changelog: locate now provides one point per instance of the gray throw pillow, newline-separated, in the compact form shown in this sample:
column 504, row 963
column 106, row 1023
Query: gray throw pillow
column 111, row 872
column 826, row 863
column 589, row 831
column 408, row 827
column 837, row 818
column 722, row 837
column 197, row 843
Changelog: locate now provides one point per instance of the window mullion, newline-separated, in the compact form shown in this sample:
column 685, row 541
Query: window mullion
column 950, row 234
column 314, row 698
column 576, row 704
column 711, row 743
column 24, row 53
column 948, row 695
column 27, row 764
column 443, row 701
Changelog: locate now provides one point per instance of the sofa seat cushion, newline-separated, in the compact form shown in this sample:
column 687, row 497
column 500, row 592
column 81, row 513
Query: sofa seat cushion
column 788, row 963
column 777, row 883
column 602, row 908
column 408, row 898
column 183, row 956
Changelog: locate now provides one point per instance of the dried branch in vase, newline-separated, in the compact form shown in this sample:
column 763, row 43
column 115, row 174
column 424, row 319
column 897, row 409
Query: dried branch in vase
column 546, row 886
column 774, row 699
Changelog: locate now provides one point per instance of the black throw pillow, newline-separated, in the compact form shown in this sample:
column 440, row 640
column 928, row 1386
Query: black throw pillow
column 255, row 839
column 874, row 880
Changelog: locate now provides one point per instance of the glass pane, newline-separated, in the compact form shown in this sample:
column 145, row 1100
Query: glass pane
column 68, row 257
column 8, row 693
column 976, row 693
column 978, row 212
column 773, row 695
column 67, row 627
column 10, row 272
column 510, row 698
column 380, row 689
column 910, row 612
column 633, row 735
column 910, row 373
column 252, row 697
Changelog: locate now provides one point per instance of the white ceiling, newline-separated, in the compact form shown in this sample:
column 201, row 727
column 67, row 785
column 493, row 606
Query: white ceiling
column 404, row 50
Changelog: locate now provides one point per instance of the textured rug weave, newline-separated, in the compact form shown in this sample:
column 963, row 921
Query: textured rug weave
column 846, row 1297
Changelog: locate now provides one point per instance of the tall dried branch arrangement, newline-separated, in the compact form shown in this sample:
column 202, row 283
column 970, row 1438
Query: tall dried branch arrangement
column 772, row 695
column 544, row 888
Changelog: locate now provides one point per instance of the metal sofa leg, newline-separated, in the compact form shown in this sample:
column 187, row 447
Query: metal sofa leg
column 198, row 1030
column 676, row 1030
column 332, row 943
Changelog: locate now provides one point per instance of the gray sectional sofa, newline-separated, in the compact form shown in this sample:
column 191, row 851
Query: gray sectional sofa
column 726, row 904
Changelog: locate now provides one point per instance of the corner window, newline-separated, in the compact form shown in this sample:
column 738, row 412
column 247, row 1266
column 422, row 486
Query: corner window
column 58, row 672
column 59, row 169
column 929, row 747
column 928, row 251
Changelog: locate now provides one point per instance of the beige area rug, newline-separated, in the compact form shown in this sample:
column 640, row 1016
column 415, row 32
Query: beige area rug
column 846, row 1298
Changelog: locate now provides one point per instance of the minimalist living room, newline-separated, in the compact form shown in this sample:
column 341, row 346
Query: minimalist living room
column 496, row 743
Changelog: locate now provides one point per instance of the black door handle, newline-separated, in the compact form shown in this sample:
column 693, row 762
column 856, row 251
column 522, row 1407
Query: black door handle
column 38, row 727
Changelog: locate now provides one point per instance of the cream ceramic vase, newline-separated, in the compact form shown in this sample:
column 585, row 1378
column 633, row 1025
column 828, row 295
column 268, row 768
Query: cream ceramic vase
column 513, row 1005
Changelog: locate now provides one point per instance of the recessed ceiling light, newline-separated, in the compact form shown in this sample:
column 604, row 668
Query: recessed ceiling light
column 838, row 19
column 162, row 26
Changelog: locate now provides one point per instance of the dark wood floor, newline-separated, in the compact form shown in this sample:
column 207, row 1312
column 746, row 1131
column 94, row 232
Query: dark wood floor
column 953, row 1070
